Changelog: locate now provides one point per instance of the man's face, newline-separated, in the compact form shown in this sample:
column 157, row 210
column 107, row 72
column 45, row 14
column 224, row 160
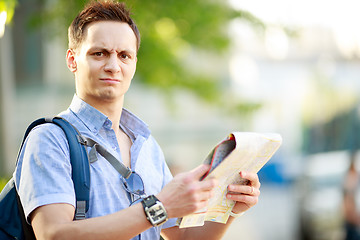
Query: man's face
column 105, row 62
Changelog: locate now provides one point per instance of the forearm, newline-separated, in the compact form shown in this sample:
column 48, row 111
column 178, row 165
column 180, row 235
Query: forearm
column 210, row 230
column 124, row 224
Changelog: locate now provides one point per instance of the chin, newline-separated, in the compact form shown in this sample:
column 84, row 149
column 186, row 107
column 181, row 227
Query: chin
column 110, row 96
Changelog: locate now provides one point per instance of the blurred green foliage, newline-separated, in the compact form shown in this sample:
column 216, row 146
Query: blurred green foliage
column 170, row 32
column 3, row 182
column 9, row 7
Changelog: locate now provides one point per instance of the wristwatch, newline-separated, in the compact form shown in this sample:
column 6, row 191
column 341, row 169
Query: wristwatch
column 154, row 210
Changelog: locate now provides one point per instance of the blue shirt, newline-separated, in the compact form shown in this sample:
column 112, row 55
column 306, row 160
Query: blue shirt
column 43, row 173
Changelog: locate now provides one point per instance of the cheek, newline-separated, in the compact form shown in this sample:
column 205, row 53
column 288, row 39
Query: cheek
column 93, row 66
column 90, row 70
column 131, row 71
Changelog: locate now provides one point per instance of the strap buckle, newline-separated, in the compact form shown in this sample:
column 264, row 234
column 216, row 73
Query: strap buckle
column 80, row 210
column 81, row 140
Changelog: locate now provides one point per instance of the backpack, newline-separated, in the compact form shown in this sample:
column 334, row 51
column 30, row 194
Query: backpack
column 13, row 224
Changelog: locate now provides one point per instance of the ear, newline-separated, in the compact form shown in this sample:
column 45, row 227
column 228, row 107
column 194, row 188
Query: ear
column 70, row 60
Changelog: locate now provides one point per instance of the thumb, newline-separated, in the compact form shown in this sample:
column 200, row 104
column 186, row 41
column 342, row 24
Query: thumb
column 199, row 171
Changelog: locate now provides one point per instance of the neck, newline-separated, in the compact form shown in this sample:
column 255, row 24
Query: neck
column 111, row 108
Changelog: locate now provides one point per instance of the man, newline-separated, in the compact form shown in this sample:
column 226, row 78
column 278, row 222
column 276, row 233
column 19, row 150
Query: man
column 350, row 208
column 103, row 46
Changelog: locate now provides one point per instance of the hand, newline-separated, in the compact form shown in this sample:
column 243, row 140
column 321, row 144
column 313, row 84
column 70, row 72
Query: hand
column 186, row 194
column 246, row 196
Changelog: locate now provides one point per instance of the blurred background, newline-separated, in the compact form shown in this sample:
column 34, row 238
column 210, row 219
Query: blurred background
column 207, row 68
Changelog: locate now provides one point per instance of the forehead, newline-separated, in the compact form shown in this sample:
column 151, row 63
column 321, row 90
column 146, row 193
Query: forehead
column 109, row 34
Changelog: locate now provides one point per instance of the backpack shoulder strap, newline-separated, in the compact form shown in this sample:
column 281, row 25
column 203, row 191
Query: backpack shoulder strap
column 79, row 162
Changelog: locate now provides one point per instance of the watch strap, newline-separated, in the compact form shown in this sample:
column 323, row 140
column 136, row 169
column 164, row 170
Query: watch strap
column 149, row 201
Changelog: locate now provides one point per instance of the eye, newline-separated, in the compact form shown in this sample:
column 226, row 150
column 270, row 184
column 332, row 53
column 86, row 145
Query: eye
column 124, row 56
column 98, row 54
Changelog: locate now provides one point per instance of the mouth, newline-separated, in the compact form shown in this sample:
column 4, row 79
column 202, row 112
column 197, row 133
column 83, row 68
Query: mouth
column 110, row 80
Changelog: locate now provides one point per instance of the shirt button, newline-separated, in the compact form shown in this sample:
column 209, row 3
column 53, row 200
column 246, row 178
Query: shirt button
column 108, row 123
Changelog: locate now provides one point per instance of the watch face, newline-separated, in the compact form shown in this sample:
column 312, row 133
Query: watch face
column 157, row 214
column 154, row 210
column 157, row 211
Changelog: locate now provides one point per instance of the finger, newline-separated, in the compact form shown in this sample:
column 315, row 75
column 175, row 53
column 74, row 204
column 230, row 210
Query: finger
column 199, row 171
column 246, row 199
column 205, row 195
column 208, row 184
column 253, row 191
column 252, row 177
column 243, row 189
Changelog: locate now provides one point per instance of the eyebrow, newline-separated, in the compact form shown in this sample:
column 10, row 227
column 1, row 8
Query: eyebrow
column 92, row 49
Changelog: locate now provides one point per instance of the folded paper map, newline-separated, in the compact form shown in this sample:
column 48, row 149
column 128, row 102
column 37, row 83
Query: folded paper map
column 240, row 151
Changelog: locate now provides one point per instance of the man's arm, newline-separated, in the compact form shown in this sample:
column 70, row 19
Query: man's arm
column 55, row 221
column 245, row 196
column 185, row 194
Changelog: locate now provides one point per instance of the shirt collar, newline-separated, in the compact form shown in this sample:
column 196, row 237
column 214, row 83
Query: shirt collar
column 134, row 124
column 95, row 120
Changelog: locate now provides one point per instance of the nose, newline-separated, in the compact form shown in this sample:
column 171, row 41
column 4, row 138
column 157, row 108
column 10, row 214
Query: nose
column 112, row 64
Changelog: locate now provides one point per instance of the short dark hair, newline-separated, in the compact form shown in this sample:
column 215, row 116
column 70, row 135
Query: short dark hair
column 104, row 10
